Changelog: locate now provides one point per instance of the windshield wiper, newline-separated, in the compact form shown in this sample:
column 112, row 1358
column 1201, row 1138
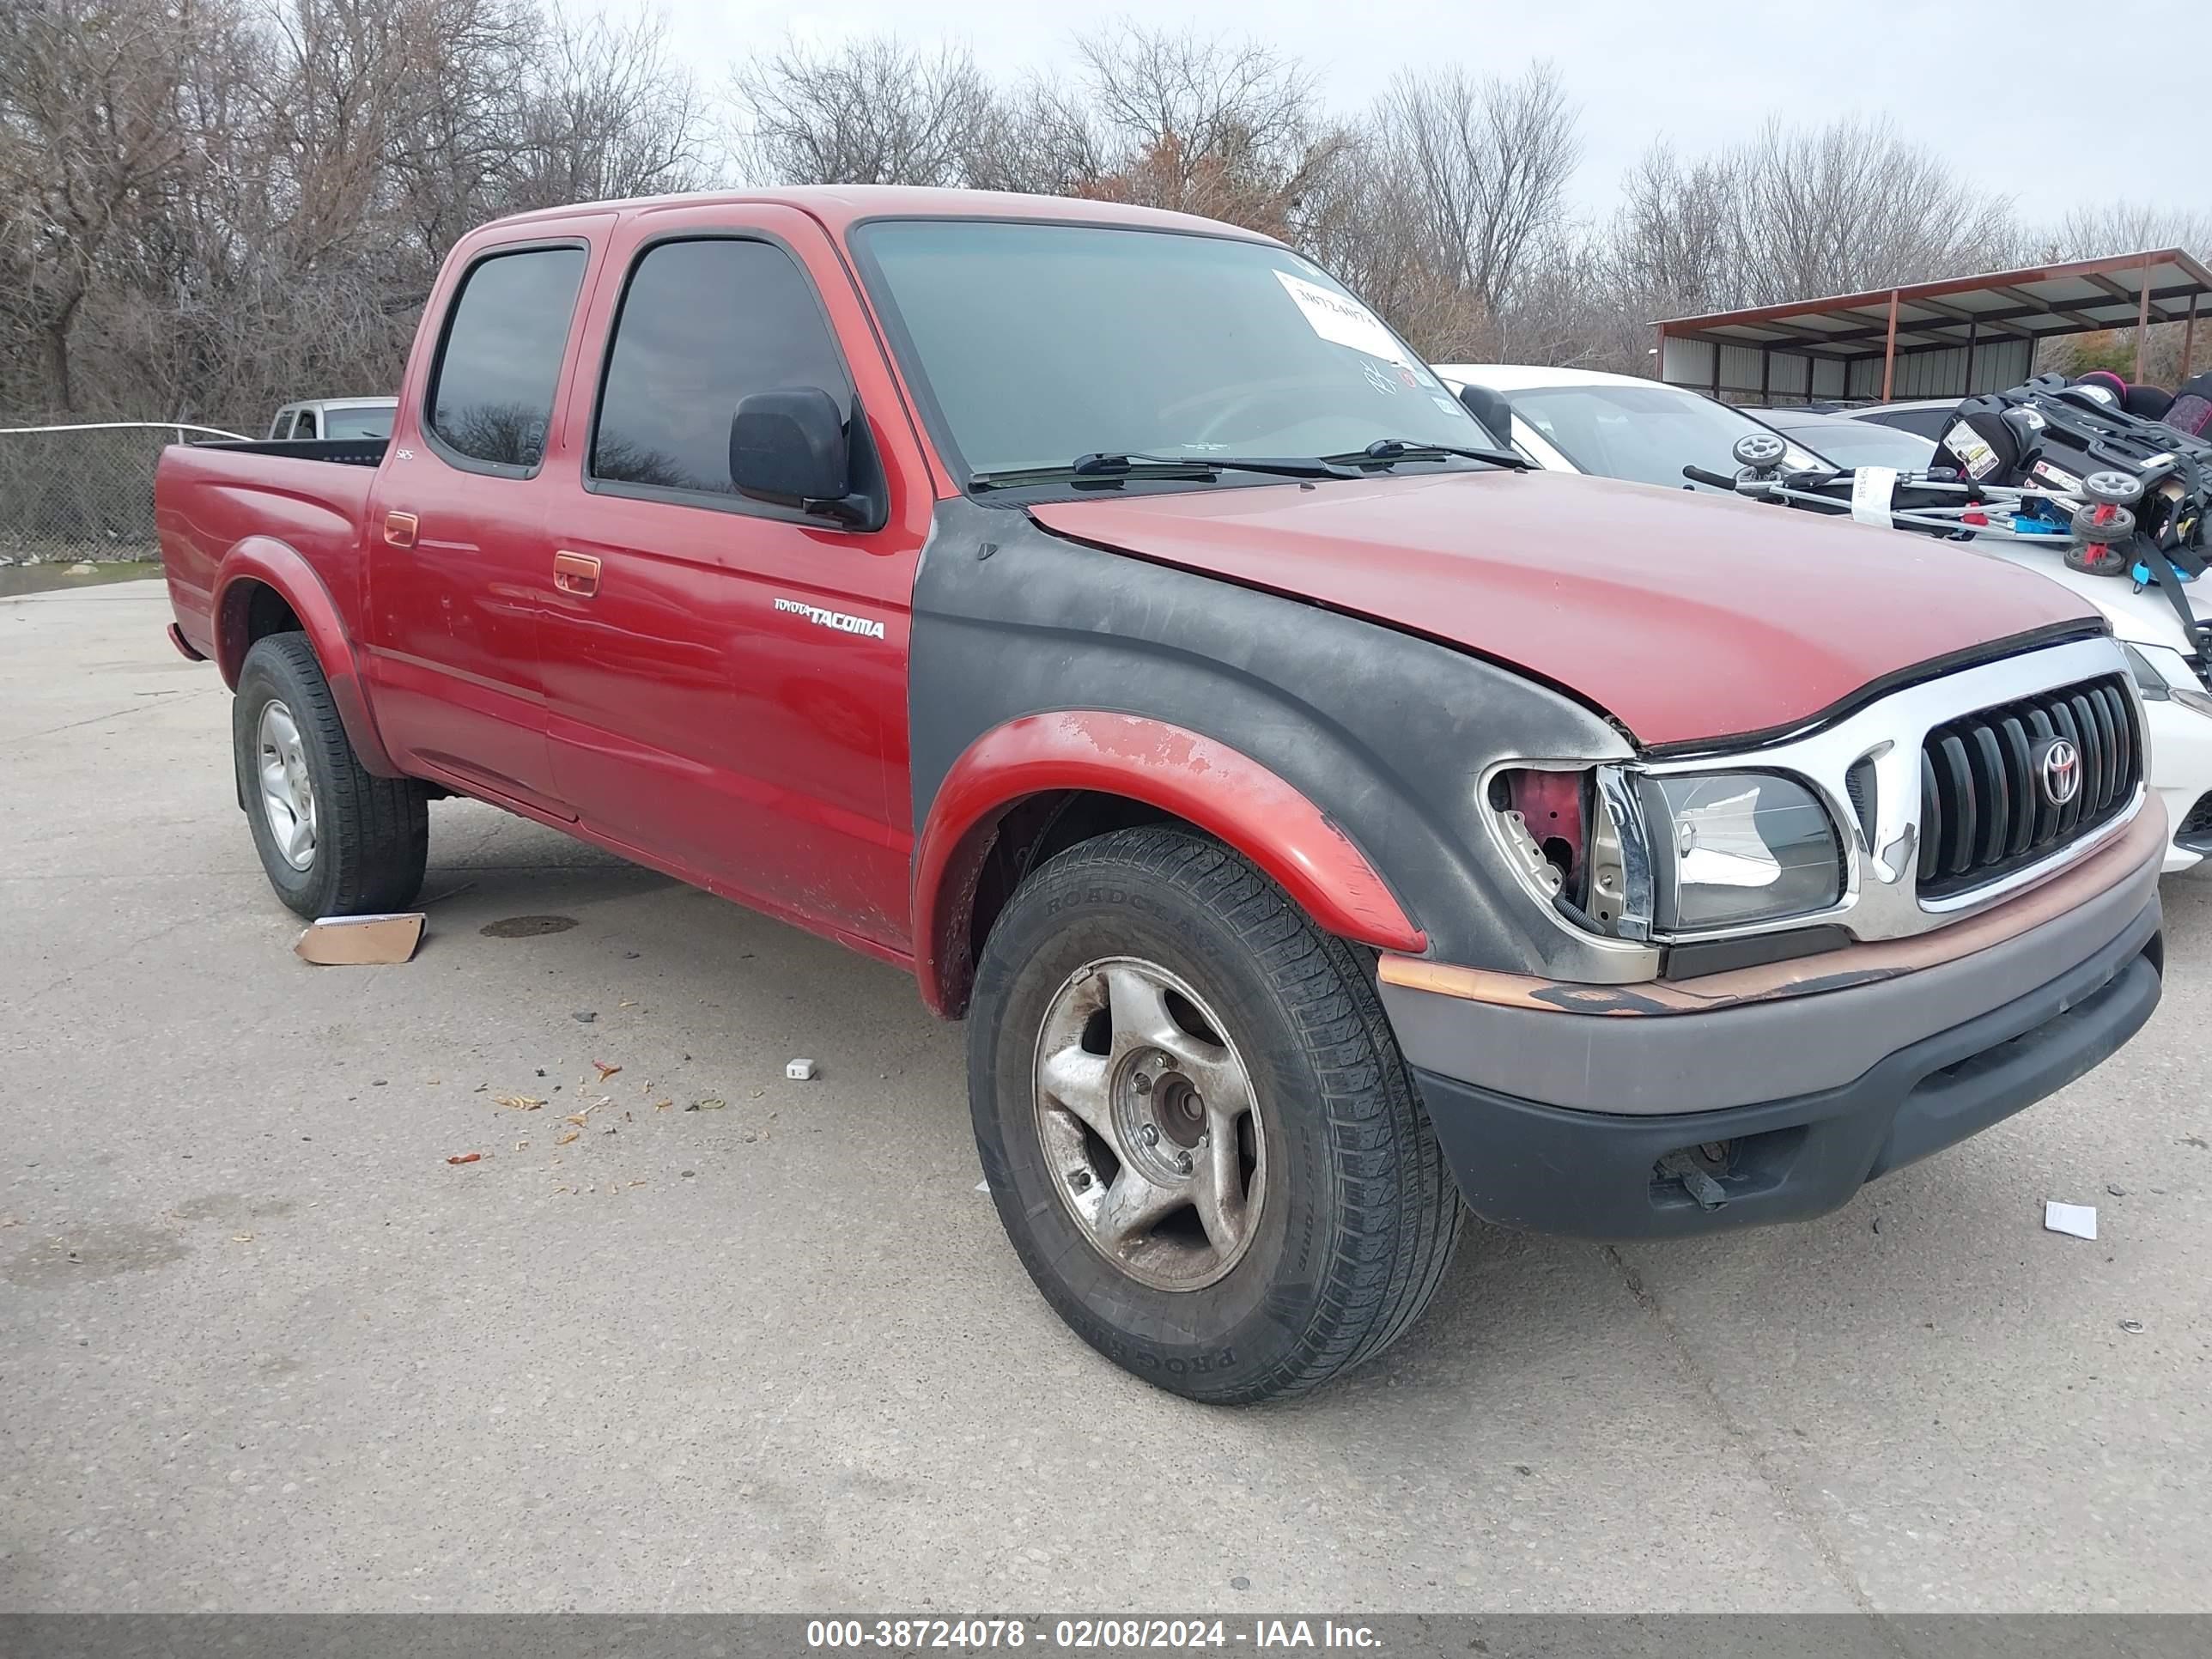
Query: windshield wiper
column 1110, row 468
column 1390, row 450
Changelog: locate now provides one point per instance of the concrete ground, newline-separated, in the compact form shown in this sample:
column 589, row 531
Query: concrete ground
column 263, row 1347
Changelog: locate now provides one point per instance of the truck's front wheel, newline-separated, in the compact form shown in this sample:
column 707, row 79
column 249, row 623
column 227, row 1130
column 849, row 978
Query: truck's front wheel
column 335, row 839
column 1195, row 1124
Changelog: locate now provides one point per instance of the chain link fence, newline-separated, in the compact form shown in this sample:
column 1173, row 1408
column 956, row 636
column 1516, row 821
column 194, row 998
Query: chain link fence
column 73, row 493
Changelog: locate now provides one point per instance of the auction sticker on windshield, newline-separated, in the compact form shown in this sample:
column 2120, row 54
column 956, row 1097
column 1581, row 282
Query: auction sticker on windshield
column 1340, row 318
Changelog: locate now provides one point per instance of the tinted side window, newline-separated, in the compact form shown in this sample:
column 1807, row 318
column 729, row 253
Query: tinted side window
column 703, row 325
column 307, row 426
column 504, row 337
column 1927, row 422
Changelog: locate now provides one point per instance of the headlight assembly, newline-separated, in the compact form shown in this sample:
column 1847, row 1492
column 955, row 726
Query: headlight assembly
column 1731, row 848
column 1934, row 802
column 2162, row 675
column 1636, row 856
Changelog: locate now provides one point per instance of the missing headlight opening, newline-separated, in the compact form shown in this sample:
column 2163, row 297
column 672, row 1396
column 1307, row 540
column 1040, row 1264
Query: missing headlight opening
column 1549, row 806
column 1578, row 839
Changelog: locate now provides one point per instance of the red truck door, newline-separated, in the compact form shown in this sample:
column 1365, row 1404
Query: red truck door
column 725, row 679
column 456, row 582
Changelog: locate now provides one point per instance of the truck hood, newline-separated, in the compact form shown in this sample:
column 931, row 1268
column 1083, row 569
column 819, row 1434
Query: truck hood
column 1685, row 616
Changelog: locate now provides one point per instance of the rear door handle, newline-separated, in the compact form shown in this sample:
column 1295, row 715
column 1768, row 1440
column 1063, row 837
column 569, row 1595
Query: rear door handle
column 399, row 529
column 576, row 573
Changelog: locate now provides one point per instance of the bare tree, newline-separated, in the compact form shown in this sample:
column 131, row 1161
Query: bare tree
column 1041, row 137
column 868, row 111
column 1570, row 308
column 90, row 132
column 1851, row 206
column 206, row 208
column 1489, row 163
column 1676, row 235
column 1800, row 212
column 2090, row 233
column 614, row 116
column 1229, row 129
column 2107, row 229
column 465, row 68
column 210, row 206
column 1794, row 213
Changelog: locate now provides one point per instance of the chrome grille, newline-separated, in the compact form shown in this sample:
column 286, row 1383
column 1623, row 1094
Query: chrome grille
column 1984, row 808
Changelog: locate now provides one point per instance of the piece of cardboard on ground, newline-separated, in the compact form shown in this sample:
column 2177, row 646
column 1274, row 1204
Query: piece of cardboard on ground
column 361, row 941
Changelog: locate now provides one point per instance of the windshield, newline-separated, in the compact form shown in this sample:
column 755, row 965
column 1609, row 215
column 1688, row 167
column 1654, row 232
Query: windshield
column 1646, row 434
column 1863, row 443
column 1040, row 343
column 370, row 422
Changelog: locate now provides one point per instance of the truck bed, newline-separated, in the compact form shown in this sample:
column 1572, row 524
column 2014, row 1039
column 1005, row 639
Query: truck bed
column 311, row 495
column 347, row 452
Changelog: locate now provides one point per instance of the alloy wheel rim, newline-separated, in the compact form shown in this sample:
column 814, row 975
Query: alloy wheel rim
column 1149, row 1124
column 287, row 792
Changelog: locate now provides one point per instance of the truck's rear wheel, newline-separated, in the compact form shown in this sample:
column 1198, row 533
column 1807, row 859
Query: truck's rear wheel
column 1196, row 1125
column 335, row 839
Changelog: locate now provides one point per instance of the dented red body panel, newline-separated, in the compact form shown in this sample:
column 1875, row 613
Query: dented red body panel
column 1208, row 783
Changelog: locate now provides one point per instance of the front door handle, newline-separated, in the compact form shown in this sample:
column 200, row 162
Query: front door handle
column 576, row 573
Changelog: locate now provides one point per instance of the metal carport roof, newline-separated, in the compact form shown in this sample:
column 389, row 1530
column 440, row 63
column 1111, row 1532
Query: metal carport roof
column 2015, row 309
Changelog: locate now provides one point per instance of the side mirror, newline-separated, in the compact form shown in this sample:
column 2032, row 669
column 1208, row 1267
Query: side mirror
column 789, row 446
column 1491, row 409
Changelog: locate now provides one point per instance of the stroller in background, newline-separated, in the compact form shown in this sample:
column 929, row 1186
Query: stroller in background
column 2066, row 466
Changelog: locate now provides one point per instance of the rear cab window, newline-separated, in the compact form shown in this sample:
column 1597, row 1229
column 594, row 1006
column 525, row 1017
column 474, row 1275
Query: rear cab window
column 490, row 401
column 357, row 423
column 704, row 322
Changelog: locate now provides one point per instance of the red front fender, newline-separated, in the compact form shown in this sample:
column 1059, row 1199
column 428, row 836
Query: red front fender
column 1223, row 791
column 270, row 563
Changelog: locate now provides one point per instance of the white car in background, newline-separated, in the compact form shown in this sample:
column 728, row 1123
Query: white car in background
column 1575, row 420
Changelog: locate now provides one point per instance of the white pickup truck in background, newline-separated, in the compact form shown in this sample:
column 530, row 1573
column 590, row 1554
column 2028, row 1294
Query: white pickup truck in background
column 333, row 417
column 1576, row 420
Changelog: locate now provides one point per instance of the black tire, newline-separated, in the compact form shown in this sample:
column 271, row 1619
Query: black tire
column 1360, row 1215
column 372, row 834
column 2090, row 533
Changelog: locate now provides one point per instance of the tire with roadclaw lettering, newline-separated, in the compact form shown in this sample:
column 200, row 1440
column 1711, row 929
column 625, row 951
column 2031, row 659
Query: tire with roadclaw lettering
column 334, row 839
column 1195, row 1124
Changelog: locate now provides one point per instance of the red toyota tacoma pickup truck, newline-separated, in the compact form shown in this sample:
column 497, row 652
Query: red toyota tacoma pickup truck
column 1099, row 614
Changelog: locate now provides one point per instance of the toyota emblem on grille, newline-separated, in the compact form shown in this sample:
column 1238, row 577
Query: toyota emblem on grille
column 2060, row 766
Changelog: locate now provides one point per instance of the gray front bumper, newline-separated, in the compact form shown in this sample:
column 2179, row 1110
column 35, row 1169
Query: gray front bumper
column 1795, row 1045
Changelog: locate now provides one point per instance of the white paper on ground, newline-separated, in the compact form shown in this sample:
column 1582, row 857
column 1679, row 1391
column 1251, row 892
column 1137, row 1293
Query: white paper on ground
column 2078, row 1220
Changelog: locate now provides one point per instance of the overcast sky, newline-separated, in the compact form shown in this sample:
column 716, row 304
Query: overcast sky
column 2052, row 102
